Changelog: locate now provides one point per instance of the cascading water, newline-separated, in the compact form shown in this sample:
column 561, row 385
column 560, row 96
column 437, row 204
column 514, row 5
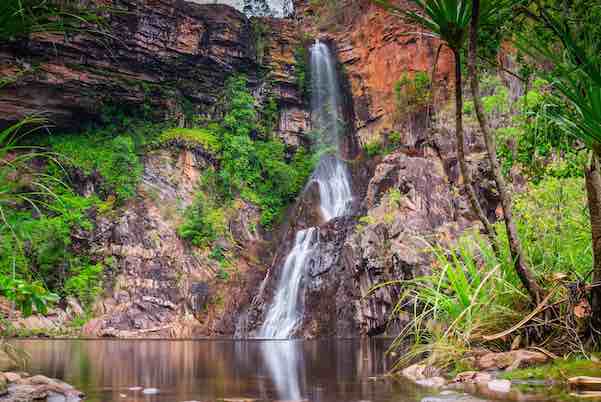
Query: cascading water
column 332, row 177
column 286, row 309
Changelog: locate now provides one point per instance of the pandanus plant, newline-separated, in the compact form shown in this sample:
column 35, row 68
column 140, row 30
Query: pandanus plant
column 449, row 20
column 577, row 78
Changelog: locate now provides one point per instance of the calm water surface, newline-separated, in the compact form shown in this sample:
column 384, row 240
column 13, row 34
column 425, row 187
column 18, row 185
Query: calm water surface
column 318, row 371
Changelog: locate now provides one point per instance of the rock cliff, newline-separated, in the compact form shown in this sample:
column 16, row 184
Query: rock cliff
column 376, row 49
column 165, row 54
column 175, row 57
column 405, row 201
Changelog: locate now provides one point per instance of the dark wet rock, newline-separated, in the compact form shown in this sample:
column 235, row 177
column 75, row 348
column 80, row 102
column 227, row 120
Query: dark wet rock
column 199, row 296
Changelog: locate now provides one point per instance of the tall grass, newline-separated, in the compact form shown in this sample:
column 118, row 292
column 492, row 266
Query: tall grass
column 23, row 187
column 470, row 293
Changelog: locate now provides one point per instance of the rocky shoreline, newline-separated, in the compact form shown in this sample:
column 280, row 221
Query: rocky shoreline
column 23, row 387
column 487, row 379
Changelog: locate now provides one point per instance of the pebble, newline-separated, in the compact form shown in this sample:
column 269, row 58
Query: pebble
column 503, row 386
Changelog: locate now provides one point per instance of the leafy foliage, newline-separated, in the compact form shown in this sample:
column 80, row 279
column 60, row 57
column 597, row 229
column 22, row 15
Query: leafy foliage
column 204, row 221
column 85, row 282
column 38, row 213
column 26, row 295
column 20, row 18
column 256, row 168
column 97, row 151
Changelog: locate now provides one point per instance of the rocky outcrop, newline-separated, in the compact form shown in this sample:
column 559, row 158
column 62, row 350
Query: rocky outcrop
column 171, row 57
column 278, row 40
column 160, row 286
column 163, row 54
column 411, row 200
column 17, row 387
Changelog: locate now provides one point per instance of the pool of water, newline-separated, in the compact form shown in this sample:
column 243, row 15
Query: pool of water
column 199, row 370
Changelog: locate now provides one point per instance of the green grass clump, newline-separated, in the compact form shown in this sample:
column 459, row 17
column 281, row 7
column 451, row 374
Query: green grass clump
column 205, row 137
column 560, row 369
column 204, row 221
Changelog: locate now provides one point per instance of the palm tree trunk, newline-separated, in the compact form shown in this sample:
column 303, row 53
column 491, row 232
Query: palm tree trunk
column 463, row 166
column 515, row 247
column 593, row 190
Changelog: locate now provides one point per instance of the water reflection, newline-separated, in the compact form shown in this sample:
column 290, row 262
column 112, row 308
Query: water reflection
column 319, row 371
column 284, row 359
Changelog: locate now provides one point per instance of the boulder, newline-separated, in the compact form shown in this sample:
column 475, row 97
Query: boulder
column 472, row 377
column 3, row 384
column 509, row 360
column 585, row 383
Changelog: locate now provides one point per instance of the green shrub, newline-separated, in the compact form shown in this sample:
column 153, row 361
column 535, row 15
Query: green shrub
column 203, row 221
column 394, row 197
column 204, row 137
column 27, row 295
column 373, row 148
column 412, row 93
column 553, row 223
column 84, row 282
column 256, row 168
column 115, row 159
column 529, row 136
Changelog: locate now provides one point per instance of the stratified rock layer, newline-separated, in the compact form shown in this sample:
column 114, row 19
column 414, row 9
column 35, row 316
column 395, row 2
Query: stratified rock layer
column 157, row 53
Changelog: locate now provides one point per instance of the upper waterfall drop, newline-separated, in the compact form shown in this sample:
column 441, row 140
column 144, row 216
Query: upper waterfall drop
column 331, row 174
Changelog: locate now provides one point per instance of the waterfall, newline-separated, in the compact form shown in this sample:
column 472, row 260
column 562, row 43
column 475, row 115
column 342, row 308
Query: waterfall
column 286, row 311
column 334, row 187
